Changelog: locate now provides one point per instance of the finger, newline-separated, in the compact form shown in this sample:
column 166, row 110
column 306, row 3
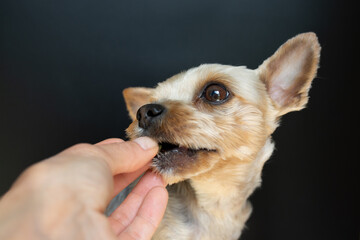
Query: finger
column 129, row 156
column 148, row 217
column 126, row 212
column 122, row 180
column 109, row 141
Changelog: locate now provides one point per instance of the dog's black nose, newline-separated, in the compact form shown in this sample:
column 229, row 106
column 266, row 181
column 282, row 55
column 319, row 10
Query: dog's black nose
column 148, row 114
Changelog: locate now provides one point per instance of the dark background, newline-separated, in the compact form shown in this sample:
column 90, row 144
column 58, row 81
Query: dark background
column 63, row 65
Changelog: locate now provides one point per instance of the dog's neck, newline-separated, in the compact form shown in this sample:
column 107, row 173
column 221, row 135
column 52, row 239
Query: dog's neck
column 222, row 202
column 238, row 178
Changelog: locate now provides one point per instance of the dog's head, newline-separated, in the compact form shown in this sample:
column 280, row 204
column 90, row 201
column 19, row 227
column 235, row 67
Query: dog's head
column 216, row 114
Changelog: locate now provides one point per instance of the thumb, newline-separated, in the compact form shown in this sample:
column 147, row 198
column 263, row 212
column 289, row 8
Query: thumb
column 129, row 156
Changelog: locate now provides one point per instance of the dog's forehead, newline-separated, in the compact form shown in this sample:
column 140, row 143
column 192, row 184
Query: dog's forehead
column 186, row 85
column 181, row 86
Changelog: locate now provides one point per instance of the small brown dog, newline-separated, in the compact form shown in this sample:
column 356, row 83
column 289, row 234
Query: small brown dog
column 214, row 125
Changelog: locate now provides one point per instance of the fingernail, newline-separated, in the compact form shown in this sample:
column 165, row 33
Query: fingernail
column 157, row 176
column 163, row 181
column 146, row 143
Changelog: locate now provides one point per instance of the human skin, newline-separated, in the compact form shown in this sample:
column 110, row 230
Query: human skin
column 65, row 196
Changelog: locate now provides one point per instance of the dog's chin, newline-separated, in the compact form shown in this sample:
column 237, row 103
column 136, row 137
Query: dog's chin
column 177, row 163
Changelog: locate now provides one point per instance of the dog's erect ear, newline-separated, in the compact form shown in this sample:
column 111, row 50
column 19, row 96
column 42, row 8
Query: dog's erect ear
column 135, row 98
column 289, row 72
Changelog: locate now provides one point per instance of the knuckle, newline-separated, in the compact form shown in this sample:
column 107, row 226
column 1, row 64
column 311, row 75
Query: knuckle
column 35, row 175
column 86, row 149
column 133, row 152
column 148, row 221
column 81, row 147
column 136, row 235
column 130, row 150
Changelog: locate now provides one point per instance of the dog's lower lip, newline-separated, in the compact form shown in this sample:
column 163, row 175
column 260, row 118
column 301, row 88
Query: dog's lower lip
column 169, row 147
column 174, row 158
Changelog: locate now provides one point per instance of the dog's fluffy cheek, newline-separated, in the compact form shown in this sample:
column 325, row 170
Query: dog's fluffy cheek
column 243, row 133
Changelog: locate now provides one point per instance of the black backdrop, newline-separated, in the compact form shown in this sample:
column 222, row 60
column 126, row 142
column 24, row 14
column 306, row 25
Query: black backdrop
column 63, row 65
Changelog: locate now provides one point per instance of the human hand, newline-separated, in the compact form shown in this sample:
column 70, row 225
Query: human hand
column 65, row 196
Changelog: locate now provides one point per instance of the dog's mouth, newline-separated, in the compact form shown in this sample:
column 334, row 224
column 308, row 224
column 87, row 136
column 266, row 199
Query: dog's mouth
column 172, row 156
column 169, row 148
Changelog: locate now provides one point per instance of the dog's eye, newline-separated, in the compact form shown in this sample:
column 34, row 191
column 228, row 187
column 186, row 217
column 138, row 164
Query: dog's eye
column 216, row 93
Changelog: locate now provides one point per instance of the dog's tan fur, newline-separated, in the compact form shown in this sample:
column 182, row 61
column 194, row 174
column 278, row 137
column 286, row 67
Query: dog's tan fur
column 208, row 196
